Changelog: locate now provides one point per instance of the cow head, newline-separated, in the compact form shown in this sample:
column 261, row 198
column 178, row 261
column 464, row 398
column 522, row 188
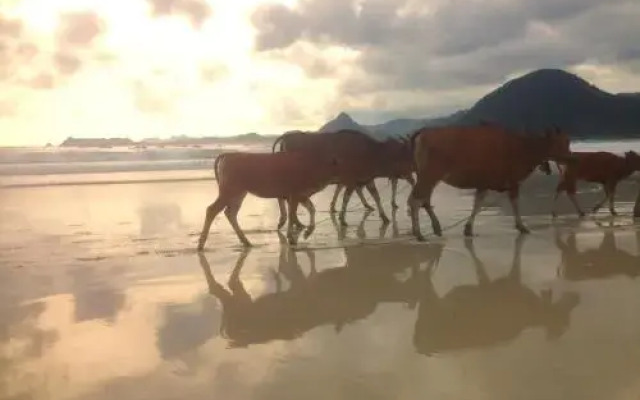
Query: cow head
column 558, row 145
column 633, row 160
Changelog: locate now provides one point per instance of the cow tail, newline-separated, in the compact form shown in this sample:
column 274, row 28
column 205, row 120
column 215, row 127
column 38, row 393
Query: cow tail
column 216, row 164
column 277, row 141
column 412, row 142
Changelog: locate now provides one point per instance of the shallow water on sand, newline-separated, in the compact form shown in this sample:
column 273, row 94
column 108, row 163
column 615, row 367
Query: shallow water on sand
column 103, row 296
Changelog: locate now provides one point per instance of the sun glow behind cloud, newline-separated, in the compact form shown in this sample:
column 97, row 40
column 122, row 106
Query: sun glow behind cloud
column 146, row 75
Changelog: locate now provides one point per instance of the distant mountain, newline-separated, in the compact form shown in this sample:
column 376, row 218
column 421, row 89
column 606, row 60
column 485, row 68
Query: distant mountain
column 533, row 102
column 342, row 121
column 549, row 97
column 393, row 128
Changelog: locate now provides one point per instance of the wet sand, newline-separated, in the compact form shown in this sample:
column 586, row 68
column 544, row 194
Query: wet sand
column 103, row 296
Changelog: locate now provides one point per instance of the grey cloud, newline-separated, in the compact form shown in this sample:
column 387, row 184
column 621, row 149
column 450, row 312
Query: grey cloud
column 197, row 11
column 80, row 28
column 66, row 63
column 43, row 80
column 308, row 57
column 452, row 44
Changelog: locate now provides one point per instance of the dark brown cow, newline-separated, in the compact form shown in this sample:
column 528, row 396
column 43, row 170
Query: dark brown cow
column 400, row 167
column 293, row 176
column 483, row 157
column 334, row 296
column 489, row 313
column 362, row 159
column 600, row 167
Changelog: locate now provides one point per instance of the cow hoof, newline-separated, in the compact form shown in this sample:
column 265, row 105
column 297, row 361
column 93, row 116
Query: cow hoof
column 523, row 229
column 281, row 224
column 200, row 248
column 292, row 241
column 468, row 231
column 581, row 214
column 332, row 210
column 420, row 238
column 385, row 219
column 394, row 206
column 308, row 232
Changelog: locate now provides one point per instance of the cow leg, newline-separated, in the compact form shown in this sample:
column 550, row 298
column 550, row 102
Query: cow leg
column 571, row 188
column 515, row 206
column 559, row 189
column 394, row 191
column 231, row 212
column 293, row 208
column 478, row 198
column 332, row 207
column 345, row 201
column 599, row 205
column 312, row 217
column 212, row 211
column 414, row 207
column 418, row 200
column 612, row 195
column 363, row 199
column 283, row 213
column 376, row 197
column 412, row 183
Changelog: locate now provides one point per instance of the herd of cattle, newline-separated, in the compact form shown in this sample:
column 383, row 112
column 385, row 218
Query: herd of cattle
column 483, row 157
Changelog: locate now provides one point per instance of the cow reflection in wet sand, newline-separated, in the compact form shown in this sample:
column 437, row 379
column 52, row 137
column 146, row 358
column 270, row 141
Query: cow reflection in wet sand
column 604, row 261
column 489, row 313
column 333, row 296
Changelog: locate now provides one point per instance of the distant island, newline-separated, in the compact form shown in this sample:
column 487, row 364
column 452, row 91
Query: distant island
column 530, row 103
column 179, row 141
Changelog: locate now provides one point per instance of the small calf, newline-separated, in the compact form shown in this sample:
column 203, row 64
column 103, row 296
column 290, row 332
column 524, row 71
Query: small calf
column 601, row 167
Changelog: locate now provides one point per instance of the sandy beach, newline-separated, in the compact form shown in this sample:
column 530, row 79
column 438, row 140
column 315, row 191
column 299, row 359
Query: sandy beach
column 103, row 296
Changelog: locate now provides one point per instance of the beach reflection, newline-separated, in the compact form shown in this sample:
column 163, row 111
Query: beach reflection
column 333, row 296
column 488, row 313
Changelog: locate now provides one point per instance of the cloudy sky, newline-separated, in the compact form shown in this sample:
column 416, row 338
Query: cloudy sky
column 157, row 68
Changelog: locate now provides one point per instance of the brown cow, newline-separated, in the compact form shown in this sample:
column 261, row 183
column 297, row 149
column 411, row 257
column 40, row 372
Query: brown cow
column 489, row 313
column 484, row 157
column 362, row 159
column 600, row 167
column 293, row 176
